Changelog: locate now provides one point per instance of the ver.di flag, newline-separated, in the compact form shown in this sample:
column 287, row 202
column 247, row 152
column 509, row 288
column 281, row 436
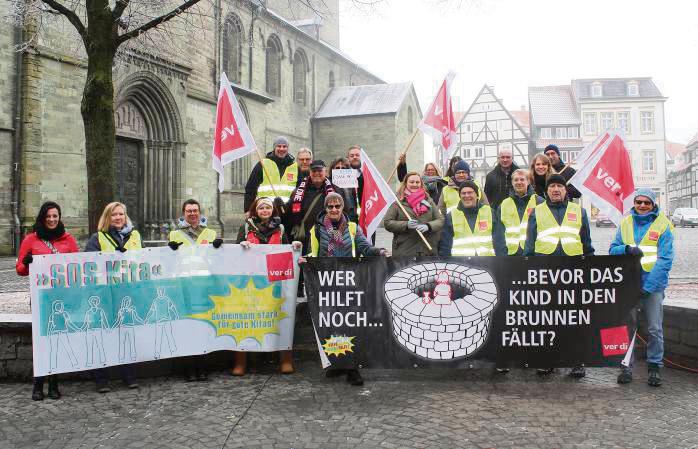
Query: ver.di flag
column 376, row 197
column 606, row 175
column 232, row 138
column 439, row 122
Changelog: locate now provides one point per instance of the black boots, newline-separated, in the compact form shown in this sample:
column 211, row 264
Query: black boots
column 38, row 391
column 654, row 379
column 53, row 392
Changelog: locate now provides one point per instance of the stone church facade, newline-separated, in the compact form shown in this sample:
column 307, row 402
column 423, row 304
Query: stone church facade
column 283, row 62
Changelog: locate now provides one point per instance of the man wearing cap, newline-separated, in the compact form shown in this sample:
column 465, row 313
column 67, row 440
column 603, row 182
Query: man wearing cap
column 648, row 233
column 510, row 229
column 498, row 181
column 559, row 167
column 558, row 227
column 450, row 197
column 278, row 172
column 468, row 227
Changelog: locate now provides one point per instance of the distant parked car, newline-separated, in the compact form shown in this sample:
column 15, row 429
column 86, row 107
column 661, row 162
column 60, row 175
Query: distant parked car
column 685, row 216
column 603, row 220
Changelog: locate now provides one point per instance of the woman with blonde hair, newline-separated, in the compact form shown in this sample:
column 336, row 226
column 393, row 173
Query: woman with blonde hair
column 424, row 216
column 114, row 233
column 433, row 182
column 540, row 169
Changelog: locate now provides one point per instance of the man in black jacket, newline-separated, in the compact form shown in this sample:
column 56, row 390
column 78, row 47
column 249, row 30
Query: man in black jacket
column 286, row 171
column 562, row 169
column 498, row 181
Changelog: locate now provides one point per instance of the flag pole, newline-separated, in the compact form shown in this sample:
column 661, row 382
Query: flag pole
column 404, row 152
column 424, row 239
column 266, row 173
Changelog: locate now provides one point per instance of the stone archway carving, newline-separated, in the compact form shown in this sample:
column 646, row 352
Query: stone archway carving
column 149, row 131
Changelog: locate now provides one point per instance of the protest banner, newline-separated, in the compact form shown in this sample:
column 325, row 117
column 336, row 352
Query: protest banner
column 345, row 178
column 443, row 312
column 92, row 310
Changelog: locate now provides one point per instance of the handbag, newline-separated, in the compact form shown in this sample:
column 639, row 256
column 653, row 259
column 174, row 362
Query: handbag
column 298, row 231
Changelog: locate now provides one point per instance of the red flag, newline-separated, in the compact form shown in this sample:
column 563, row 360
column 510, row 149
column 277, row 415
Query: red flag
column 606, row 176
column 376, row 197
column 232, row 139
column 439, row 121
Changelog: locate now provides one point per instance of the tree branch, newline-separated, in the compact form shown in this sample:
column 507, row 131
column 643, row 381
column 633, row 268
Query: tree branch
column 70, row 15
column 119, row 9
column 155, row 22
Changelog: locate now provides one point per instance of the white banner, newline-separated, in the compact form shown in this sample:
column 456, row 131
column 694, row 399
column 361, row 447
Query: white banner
column 92, row 310
column 345, row 178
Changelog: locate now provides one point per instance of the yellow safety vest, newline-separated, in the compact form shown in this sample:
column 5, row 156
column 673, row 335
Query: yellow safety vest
column 467, row 242
column 452, row 197
column 207, row 236
column 649, row 242
column 282, row 184
column 567, row 233
column 108, row 245
column 315, row 244
column 515, row 226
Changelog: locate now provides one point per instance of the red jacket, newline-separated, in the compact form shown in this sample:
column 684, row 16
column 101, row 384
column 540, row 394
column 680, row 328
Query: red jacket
column 33, row 245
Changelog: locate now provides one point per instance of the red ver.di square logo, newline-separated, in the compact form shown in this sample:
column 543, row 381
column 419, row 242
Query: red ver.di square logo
column 614, row 341
column 280, row 266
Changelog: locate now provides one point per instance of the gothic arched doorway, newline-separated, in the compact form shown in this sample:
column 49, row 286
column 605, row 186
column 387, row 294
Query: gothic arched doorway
column 149, row 154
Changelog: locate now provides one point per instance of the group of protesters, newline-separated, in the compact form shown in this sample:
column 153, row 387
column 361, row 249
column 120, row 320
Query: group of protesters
column 519, row 212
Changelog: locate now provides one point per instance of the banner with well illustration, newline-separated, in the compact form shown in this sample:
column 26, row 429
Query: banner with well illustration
column 92, row 310
column 539, row 312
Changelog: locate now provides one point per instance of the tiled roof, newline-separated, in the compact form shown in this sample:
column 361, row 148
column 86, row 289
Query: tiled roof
column 553, row 105
column 615, row 87
column 693, row 140
column 674, row 149
column 373, row 99
column 522, row 117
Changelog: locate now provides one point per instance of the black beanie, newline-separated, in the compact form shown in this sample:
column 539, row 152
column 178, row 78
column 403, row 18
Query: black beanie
column 470, row 184
column 553, row 147
column 555, row 179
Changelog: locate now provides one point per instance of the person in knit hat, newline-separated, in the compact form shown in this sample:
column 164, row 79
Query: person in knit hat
column 450, row 197
column 274, row 176
column 565, row 170
column 468, row 228
column 558, row 227
column 647, row 233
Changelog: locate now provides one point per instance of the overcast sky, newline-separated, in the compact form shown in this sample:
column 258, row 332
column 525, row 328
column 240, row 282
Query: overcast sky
column 513, row 44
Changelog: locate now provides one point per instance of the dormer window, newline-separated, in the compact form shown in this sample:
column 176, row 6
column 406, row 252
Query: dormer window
column 633, row 89
column 596, row 90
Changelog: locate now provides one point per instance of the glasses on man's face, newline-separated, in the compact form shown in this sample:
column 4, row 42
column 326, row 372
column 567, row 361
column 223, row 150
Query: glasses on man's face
column 191, row 211
column 333, row 206
column 643, row 202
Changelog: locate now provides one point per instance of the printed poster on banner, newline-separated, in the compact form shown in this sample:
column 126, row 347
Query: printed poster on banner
column 447, row 312
column 345, row 178
column 92, row 310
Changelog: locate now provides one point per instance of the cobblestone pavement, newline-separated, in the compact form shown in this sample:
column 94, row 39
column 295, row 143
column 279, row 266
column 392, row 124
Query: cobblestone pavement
column 394, row 409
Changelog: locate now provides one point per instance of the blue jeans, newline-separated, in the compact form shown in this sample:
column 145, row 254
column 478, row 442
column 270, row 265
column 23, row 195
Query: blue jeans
column 652, row 304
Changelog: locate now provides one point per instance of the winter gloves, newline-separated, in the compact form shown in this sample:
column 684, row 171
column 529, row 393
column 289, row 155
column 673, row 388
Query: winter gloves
column 28, row 259
column 633, row 251
column 174, row 246
column 217, row 243
column 417, row 226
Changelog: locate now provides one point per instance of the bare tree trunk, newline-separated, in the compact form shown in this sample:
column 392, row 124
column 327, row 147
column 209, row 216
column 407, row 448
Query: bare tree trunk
column 97, row 110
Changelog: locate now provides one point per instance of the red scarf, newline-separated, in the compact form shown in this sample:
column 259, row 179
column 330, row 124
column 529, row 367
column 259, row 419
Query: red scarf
column 414, row 199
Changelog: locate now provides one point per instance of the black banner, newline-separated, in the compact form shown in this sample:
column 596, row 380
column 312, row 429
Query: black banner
column 541, row 312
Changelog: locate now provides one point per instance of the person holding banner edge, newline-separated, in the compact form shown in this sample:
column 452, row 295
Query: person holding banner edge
column 276, row 174
column 334, row 235
column 558, row 227
column 48, row 236
column 114, row 233
column 468, row 227
column 648, row 233
column 263, row 227
column 193, row 230
column 424, row 216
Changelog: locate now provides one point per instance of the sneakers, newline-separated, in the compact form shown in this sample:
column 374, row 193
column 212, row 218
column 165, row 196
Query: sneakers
column 625, row 376
column 578, row 372
column 502, row 370
column 103, row 388
column 545, row 371
column 654, row 379
column 354, row 377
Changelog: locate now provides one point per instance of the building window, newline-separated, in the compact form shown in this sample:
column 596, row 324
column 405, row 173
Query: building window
column 331, row 82
column 478, row 152
column 468, row 127
column 240, row 168
column 233, row 37
column 410, row 120
column 596, row 90
column 590, row 123
column 647, row 121
column 561, row 133
column 466, row 153
column 572, row 156
column 606, row 120
column 633, row 89
column 624, row 121
column 274, row 52
column 300, row 68
column 649, row 161
column 546, row 133
column 573, row 132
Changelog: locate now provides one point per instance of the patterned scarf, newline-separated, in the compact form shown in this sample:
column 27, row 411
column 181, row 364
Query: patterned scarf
column 415, row 200
column 336, row 234
column 297, row 202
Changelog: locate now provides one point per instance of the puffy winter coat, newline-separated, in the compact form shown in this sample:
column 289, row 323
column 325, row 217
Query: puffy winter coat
column 33, row 245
